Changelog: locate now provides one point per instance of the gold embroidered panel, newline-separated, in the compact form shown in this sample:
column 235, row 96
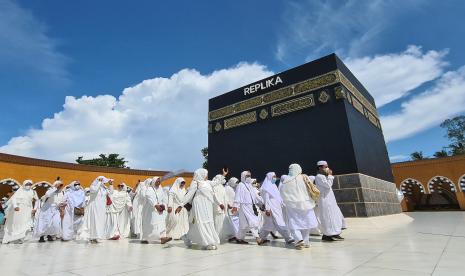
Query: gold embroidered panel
column 357, row 105
column 274, row 96
column 357, row 94
column 220, row 113
column 277, row 95
column 316, row 83
column 248, row 104
column 292, row 105
column 240, row 120
column 346, row 91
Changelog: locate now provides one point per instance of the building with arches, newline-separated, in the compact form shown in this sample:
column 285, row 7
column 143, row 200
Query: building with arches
column 15, row 169
column 431, row 184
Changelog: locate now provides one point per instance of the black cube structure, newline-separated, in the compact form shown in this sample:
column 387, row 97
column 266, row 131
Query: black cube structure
column 316, row 111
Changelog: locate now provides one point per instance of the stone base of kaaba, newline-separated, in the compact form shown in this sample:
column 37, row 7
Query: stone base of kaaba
column 360, row 195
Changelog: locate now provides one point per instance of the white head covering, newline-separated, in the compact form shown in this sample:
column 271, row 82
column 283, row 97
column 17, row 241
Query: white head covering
column 322, row 163
column 176, row 190
column 218, row 180
column 76, row 195
column 200, row 175
column 270, row 188
column 294, row 191
column 232, row 182
column 57, row 183
column 294, row 170
column 104, row 180
column 27, row 181
column 243, row 176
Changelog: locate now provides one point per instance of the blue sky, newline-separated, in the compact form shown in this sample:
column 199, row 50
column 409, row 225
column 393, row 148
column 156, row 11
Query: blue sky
column 84, row 77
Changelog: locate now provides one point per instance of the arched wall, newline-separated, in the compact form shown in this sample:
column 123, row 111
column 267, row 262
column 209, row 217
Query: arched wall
column 22, row 168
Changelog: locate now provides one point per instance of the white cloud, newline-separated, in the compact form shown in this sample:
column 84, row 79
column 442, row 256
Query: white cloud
column 314, row 28
column 428, row 109
column 397, row 158
column 391, row 76
column 160, row 123
column 24, row 43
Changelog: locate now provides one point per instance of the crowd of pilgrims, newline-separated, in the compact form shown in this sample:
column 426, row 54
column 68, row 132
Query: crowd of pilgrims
column 208, row 213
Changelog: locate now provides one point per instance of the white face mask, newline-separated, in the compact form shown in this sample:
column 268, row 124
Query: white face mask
column 248, row 180
column 27, row 187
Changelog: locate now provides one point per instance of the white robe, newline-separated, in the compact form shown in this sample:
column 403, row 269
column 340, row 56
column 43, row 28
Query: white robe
column 298, row 204
column 230, row 194
column 18, row 222
column 331, row 218
column 118, row 215
column 271, row 223
column 201, row 223
column 49, row 221
column 71, row 222
column 177, row 224
column 93, row 224
column 137, row 205
column 244, row 199
column 153, row 222
column 223, row 224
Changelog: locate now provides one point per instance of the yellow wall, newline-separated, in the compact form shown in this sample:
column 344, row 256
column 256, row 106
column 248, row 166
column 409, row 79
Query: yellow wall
column 21, row 172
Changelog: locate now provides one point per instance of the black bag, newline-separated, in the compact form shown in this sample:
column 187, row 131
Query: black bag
column 255, row 211
column 188, row 206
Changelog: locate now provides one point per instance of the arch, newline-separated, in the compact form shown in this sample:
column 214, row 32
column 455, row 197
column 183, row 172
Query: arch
column 442, row 193
column 6, row 186
column 407, row 184
column 10, row 182
column 461, row 183
column 43, row 183
column 414, row 194
column 443, row 181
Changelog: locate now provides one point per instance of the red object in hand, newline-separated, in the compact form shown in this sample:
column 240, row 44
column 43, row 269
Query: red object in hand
column 109, row 202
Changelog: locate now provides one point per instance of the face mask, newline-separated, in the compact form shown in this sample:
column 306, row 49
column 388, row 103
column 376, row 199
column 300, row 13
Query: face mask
column 27, row 187
column 248, row 179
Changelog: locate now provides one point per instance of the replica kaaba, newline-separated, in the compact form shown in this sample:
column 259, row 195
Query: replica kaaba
column 316, row 111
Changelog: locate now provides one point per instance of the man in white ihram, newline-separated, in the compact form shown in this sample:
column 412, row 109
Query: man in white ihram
column 331, row 218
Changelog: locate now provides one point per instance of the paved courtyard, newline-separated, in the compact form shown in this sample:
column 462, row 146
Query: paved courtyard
column 426, row 243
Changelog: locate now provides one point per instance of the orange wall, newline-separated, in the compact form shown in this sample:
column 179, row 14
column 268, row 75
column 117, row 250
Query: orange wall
column 21, row 172
column 424, row 170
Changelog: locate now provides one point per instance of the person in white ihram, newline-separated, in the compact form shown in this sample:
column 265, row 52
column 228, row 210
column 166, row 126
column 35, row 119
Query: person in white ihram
column 177, row 224
column 18, row 213
column 49, row 222
column 154, row 212
column 223, row 224
column 245, row 202
column 331, row 218
column 117, row 223
column 93, row 224
column 274, row 218
column 298, row 205
column 201, row 198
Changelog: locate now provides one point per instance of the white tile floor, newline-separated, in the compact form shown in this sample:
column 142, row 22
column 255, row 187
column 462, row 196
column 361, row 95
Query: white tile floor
column 426, row 243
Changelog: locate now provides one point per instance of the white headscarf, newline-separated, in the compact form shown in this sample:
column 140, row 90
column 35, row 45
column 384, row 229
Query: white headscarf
column 200, row 175
column 294, row 191
column 294, row 170
column 176, row 190
column 96, row 180
column 75, row 195
column 270, row 188
column 21, row 195
column 232, row 182
column 243, row 177
column 218, row 180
